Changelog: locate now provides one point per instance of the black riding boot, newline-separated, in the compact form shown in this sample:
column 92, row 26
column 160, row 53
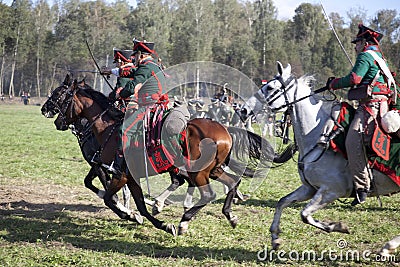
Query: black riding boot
column 118, row 165
column 361, row 196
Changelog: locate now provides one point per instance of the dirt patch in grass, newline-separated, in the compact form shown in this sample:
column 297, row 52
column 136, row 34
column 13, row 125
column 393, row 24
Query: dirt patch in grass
column 51, row 198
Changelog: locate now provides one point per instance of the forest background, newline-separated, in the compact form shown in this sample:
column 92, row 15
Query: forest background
column 40, row 43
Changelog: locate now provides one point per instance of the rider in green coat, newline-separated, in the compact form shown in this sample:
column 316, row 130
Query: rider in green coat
column 374, row 97
column 147, row 86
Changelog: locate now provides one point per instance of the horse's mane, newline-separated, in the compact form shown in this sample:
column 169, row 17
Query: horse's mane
column 97, row 96
column 306, row 80
column 102, row 100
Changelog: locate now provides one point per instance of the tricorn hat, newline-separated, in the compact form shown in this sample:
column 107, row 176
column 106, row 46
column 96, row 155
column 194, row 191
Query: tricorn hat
column 122, row 55
column 367, row 34
column 143, row 46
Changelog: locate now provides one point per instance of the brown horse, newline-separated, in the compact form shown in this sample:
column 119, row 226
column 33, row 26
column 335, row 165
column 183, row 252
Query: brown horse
column 77, row 101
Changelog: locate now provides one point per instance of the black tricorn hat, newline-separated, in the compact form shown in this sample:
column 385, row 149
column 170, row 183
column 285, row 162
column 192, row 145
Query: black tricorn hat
column 367, row 34
column 122, row 55
column 144, row 47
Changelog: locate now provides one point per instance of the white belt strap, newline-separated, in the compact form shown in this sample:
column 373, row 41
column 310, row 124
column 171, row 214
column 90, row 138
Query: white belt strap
column 385, row 69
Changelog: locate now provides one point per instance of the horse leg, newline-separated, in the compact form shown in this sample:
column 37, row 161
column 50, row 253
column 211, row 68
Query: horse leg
column 232, row 182
column 322, row 198
column 89, row 182
column 104, row 178
column 126, row 195
column 227, row 208
column 206, row 195
column 137, row 194
column 188, row 202
column 302, row 193
column 159, row 201
column 390, row 247
column 114, row 186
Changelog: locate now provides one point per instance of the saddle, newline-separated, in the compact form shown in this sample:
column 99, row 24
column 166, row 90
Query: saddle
column 383, row 151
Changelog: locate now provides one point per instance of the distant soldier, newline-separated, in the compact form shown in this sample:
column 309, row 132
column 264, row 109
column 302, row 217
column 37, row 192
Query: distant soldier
column 200, row 112
column 213, row 109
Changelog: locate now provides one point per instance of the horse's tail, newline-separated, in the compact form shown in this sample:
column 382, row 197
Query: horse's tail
column 287, row 154
column 247, row 147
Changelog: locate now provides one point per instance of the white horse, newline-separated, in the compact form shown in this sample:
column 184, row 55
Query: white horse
column 321, row 182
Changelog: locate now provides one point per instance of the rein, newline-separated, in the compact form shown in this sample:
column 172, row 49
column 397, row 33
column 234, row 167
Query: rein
column 69, row 102
column 283, row 90
column 68, row 94
column 285, row 87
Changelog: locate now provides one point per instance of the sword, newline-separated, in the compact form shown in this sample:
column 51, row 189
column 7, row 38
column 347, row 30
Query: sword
column 337, row 38
column 97, row 66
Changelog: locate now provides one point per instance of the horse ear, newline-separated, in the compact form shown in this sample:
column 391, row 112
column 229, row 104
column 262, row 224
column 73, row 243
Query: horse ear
column 67, row 80
column 82, row 83
column 287, row 71
column 280, row 68
column 75, row 84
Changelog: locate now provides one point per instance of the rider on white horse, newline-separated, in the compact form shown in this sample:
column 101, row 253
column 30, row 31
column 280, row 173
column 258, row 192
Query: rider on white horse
column 370, row 81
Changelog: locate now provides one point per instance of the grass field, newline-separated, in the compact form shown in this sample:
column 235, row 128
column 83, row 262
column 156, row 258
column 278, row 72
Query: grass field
column 48, row 217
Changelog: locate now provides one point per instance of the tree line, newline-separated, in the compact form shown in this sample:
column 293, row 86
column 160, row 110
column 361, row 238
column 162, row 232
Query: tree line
column 40, row 43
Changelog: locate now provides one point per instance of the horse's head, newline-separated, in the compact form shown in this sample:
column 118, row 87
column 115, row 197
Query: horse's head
column 60, row 123
column 274, row 94
column 63, row 98
column 51, row 107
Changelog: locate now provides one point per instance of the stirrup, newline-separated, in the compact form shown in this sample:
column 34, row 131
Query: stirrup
column 96, row 158
column 112, row 170
column 323, row 141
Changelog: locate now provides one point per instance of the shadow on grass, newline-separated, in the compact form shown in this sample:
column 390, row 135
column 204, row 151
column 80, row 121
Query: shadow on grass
column 343, row 204
column 33, row 223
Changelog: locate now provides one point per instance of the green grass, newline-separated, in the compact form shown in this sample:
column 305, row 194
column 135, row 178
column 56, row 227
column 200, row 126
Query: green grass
column 48, row 218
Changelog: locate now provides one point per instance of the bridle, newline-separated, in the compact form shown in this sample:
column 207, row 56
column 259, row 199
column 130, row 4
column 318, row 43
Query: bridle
column 64, row 102
column 268, row 99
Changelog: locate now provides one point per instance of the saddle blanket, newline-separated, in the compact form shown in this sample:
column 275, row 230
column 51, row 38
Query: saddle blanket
column 164, row 153
column 390, row 167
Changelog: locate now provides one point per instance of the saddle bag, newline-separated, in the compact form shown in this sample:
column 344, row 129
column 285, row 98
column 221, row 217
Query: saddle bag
column 360, row 92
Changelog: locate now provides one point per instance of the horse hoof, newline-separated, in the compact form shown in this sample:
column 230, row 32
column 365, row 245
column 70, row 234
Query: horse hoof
column 155, row 211
column 157, row 207
column 341, row 228
column 183, row 227
column 276, row 243
column 234, row 220
column 181, row 231
column 136, row 217
column 170, row 229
